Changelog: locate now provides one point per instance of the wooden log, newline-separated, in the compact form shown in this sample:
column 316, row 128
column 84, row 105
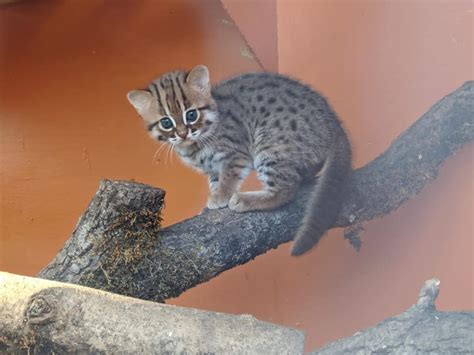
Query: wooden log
column 46, row 317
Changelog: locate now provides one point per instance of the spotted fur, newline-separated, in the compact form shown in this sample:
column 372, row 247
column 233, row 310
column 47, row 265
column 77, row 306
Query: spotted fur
column 281, row 128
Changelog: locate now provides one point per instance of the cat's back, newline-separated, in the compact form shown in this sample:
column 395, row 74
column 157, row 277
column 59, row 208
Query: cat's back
column 252, row 84
column 269, row 99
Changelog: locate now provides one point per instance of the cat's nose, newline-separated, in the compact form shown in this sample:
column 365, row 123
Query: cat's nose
column 183, row 135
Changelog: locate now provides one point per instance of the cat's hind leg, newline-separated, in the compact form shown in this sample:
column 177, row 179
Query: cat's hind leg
column 260, row 200
column 280, row 182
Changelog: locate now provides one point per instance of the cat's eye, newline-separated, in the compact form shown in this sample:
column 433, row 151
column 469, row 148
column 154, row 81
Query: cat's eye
column 192, row 116
column 166, row 124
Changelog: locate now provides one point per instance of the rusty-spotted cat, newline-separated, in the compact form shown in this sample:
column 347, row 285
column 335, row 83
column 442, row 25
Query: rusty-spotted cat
column 281, row 128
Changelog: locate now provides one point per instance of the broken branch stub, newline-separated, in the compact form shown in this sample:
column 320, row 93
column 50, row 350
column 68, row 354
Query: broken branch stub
column 419, row 330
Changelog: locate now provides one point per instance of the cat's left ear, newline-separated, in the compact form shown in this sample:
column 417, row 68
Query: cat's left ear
column 198, row 78
column 140, row 99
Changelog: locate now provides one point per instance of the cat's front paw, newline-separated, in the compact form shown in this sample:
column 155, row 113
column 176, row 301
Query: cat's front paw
column 217, row 201
column 239, row 203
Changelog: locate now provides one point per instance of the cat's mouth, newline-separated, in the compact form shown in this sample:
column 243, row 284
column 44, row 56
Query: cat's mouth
column 188, row 140
column 185, row 137
column 185, row 142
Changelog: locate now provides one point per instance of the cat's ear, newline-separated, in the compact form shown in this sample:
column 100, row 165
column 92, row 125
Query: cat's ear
column 140, row 99
column 198, row 78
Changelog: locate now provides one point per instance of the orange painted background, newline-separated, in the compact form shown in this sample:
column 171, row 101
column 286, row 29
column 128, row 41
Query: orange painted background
column 65, row 124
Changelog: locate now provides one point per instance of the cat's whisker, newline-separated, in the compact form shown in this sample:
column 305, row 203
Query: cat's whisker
column 206, row 143
column 168, row 154
column 165, row 154
column 208, row 140
column 172, row 153
column 158, row 151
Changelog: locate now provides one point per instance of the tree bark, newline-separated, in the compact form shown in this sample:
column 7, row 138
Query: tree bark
column 419, row 330
column 117, row 245
column 46, row 317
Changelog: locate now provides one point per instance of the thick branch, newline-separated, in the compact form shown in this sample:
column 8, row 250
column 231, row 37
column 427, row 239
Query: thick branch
column 419, row 330
column 47, row 317
column 190, row 252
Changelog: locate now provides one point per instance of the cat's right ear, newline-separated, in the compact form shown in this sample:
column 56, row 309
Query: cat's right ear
column 198, row 78
column 140, row 99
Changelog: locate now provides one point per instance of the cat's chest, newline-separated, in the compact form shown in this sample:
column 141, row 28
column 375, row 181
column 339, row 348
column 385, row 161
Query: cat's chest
column 206, row 161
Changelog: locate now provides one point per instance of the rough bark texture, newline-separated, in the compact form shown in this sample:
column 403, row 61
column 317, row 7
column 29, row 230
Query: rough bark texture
column 195, row 250
column 115, row 243
column 46, row 317
column 419, row 330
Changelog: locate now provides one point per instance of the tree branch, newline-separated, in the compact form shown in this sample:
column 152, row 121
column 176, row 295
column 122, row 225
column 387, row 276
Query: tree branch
column 117, row 247
column 419, row 330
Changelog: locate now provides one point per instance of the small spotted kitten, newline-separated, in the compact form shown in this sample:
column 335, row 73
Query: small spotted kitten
column 281, row 128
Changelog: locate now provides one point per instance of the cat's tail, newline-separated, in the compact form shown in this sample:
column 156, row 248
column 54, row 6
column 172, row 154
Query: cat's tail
column 326, row 199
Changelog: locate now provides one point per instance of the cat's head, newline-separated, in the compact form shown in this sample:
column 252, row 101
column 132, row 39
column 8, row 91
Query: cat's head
column 177, row 107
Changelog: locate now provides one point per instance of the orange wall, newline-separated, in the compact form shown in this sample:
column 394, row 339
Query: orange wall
column 65, row 120
column 65, row 124
column 383, row 64
column 257, row 20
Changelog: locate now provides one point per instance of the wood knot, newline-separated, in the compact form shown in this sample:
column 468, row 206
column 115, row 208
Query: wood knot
column 39, row 311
